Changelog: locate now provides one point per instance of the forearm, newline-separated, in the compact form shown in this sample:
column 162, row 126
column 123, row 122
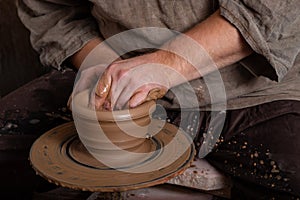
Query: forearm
column 221, row 40
column 79, row 56
column 212, row 44
column 221, row 43
column 103, row 54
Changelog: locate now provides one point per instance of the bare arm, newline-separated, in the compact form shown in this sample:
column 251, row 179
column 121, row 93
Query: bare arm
column 79, row 56
column 219, row 40
column 103, row 54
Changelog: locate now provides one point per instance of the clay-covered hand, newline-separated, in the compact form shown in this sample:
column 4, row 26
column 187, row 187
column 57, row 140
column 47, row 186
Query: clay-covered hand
column 129, row 83
column 86, row 80
column 91, row 61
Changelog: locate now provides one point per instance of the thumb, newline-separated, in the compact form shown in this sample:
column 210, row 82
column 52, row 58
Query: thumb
column 101, row 91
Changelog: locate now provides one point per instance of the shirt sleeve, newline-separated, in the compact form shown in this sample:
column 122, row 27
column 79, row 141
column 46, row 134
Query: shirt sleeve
column 58, row 28
column 271, row 28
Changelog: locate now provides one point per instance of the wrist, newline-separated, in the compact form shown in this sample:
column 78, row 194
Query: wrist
column 178, row 64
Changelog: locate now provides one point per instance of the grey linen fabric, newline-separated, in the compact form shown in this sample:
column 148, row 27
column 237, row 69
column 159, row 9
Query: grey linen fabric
column 59, row 28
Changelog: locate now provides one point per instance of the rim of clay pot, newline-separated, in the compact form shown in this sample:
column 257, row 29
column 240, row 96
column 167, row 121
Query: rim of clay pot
column 140, row 111
column 81, row 108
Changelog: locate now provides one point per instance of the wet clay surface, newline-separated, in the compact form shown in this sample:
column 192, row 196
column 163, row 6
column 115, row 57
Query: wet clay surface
column 110, row 134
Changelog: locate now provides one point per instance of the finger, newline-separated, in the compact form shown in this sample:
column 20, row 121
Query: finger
column 102, row 90
column 138, row 98
column 121, row 100
column 95, row 101
column 156, row 93
column 146, row 95
column 107, row 105
column 69, row 103
column 120, row 92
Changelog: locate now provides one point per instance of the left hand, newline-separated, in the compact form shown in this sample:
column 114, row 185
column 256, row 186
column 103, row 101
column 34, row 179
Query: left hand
column 87, row 78
column 129, row 83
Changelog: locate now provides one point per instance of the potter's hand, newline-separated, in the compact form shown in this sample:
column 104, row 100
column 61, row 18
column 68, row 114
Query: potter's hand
column 91, row 62
column 218, row 44
column 87, row 79
column 131, row 82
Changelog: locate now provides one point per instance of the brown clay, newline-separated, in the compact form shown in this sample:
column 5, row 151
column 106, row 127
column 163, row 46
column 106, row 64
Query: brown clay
column 126, row 144
column 59, row 156
column 113, row 133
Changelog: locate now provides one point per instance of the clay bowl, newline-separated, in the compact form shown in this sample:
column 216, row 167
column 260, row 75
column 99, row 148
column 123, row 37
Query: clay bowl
column 115, row 137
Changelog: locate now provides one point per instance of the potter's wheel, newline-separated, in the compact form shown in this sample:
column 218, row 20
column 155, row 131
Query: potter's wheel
column 60, row 157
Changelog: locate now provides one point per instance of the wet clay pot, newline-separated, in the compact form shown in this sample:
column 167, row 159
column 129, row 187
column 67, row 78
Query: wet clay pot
column 117, row 138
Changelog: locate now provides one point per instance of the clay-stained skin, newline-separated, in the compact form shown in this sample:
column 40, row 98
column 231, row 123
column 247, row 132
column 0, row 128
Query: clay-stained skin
column 156, row 94
column 103, row 94
column 102, row 99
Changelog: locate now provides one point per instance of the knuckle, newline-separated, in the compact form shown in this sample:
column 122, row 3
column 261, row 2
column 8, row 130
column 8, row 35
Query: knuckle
column 121, row 73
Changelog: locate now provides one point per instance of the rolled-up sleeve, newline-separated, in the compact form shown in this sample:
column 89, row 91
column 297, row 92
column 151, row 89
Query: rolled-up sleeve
column 271, row 28
column 58, row 28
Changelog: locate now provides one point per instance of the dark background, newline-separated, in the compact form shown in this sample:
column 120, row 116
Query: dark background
column 19, row 63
